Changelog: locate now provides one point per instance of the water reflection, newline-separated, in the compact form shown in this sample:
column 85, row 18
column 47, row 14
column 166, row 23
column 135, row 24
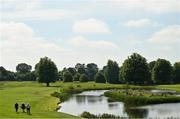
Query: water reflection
column 136, row 113
column 94, row 102
column 80, row 99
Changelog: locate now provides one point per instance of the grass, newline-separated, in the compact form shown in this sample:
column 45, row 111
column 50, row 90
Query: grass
column 141, row 97
column 170, row 87
column 43, row 105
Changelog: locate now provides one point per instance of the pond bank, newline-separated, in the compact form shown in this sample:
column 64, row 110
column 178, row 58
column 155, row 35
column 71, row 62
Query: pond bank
column 141, row 97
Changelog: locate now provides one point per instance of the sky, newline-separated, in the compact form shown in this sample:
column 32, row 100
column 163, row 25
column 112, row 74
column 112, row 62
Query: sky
column 85, row 31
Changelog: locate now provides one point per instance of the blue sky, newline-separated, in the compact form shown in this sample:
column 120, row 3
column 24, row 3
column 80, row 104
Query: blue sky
column 85, row 31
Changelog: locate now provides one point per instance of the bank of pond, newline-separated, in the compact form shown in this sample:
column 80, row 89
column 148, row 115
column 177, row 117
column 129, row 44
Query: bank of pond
column 118, row 103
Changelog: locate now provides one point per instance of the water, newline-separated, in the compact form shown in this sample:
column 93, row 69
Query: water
column 94, row 102
column 163, row 91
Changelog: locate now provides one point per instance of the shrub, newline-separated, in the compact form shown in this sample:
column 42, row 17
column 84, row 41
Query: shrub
column 88, row 115
column 76, row 77
column 83, row 78
column 99, row 78
column 67, row 77
column 100, row 116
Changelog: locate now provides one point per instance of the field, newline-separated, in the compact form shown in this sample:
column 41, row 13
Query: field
column 43, row 105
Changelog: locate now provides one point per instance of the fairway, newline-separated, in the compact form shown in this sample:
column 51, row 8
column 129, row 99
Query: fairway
column 42, row 104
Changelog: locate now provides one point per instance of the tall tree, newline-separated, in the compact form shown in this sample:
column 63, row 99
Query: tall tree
column 135, row 70
column 80, row 68
column 151, row 65
column 67, row 76
column 176, row 72
column 72, row 70
column 111, row 72
column 23, row 68
column 83, row 78
column 162, row 72
column 46, row 71
column 6, row 75
column 99, row 77
column 3, row 74
column 91, row 69
column 76, row 77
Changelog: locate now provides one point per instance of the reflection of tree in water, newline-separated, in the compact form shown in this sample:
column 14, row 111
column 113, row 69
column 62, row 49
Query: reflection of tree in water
column 135, row 113
column 112, row 105
column 94, row 99
column 80, row 99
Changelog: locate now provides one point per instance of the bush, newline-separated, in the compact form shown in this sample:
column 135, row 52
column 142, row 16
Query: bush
column 83, row 78
column 88, row 115
column 100, row 116
column 67, row 77
column 76, row 77
column 99, row 78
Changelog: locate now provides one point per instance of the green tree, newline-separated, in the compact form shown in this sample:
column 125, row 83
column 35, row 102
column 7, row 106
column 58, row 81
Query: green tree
column 111, row 72
column 3, row 74
column 176, row 73
column 135, row 70
column 67, row 77
column 151, row 65
column 80, row 68
column 46, row 71
column 72, row 70
column 83, row 78
column 162, row 72
column 23, row 68
column 91, row 70
column 99, row 77
column 60, row 75
column 76, row 77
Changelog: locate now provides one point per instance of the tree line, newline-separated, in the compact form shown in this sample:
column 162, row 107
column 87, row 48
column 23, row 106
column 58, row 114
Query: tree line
column 134, row 70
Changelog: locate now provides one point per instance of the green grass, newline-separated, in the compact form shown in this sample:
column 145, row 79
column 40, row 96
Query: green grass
column 170, row 87
column 141, row 97
column 43, row 105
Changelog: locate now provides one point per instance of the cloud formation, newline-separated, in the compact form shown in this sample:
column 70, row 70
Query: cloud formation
column 168, row 36
column 20, row 44
column 139, row 23
column 91, row 26
column 80, row 41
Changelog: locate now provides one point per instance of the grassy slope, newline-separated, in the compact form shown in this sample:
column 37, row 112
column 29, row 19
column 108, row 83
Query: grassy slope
column 42, row 104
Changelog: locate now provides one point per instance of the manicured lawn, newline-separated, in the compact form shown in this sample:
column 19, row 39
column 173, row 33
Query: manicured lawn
column 43, row 105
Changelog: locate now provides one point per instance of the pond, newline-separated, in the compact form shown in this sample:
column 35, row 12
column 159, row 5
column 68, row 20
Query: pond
column 95, row 103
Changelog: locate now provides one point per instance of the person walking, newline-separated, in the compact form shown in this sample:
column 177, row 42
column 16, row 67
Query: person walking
column 23, row 107
column 28, row 109
column 16, row 107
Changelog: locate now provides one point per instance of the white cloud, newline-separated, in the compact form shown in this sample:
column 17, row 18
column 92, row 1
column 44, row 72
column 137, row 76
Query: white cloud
column 168, row 35
column 91, row 26
column 19, row 44
column 153, row 6
column 42, row 14
column 80, row 41
column 141, row 23
column 32, row 10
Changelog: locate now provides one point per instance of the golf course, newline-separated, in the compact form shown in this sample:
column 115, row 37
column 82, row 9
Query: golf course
column 43, row 105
